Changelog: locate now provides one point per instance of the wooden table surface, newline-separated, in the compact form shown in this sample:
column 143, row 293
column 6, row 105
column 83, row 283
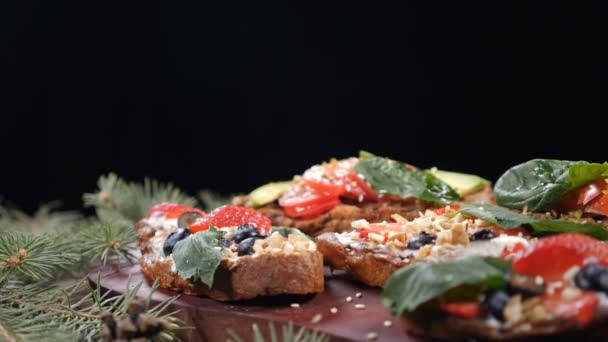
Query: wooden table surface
column 211, row 319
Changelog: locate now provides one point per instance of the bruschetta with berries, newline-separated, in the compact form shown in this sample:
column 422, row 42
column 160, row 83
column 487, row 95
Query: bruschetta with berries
column 555, row 288
column 329, row 196
column 372, row 252
column 223, row 254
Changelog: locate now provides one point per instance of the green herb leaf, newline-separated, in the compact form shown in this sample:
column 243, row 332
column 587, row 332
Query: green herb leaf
column 285, row 231
column 560, row 226
column 541, row 183
column 390, row 177
column 499, row 216
column 199, row 256
column 365, row 154
column 584, row 173
column 507, row 219
column 412, row 286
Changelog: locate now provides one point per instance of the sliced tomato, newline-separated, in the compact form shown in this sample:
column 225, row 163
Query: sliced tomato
column 356, row 187
column 447, row 209
column 552, row 256
column 599, row 205
column 465, row 310
column 381, row 229
column 305, row 202
column 172, row 210
column 592, row 198
column 581, row 308
column 230, row 215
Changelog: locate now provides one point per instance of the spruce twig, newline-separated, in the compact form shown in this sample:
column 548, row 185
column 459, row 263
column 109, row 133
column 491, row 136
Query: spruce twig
column 118, row 199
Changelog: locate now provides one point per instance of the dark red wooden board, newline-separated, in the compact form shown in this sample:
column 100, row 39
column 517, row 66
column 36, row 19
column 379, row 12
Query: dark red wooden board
column 211, row 319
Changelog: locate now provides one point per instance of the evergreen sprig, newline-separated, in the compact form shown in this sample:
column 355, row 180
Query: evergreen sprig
column 118, row 199
column 45, row 219
column 30, row 257
column 106, row 240
column 76, row 312
column 287, row 334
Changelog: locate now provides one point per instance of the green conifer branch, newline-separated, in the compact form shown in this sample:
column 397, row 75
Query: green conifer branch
column 117, row 199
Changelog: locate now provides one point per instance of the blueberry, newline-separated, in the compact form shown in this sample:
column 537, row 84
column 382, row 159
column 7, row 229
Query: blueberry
column 495, row 303
column 592, row 277
column 484, row 234
column 246, row 246
column 245, row 231
column 173, row 238
column 421, row 240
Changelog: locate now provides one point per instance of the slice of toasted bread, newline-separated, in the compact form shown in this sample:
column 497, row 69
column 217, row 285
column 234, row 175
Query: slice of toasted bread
column 371, row 266
column 240, row 278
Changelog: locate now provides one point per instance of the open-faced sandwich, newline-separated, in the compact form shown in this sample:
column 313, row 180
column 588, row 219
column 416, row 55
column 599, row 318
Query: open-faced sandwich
column 233, row 253
column 556, row 287
column 574, row 190
column 372, row 252
column 329, row 196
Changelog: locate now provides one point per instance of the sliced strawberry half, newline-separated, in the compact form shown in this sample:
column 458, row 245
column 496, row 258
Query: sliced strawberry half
column 551, row 257
column 230, row 215
column 172, row 210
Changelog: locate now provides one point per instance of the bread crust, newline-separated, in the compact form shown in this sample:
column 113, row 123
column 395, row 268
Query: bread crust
column 245, row 278
column 371, row 266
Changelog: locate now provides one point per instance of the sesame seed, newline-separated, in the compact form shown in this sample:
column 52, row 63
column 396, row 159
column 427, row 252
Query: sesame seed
column 316, row 318
column 372, row 336
column 295, row 305
column 333, row 310
column 359, row 306
column 388, row 323
column 349, row 299
column 358, row 295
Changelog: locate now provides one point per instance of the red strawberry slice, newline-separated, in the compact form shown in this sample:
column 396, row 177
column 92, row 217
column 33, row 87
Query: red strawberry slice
column 581, row 308
column 172, row 210
column 551, row 257
column 230, row 215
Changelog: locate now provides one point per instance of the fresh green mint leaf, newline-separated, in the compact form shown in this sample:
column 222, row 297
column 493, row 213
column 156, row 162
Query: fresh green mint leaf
column 199, row 256
column 390, row 177
column 584, row 173
column 412, row 286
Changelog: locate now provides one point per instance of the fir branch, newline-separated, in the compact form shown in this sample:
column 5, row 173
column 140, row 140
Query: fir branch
column 77, row 312
column 103, row 241
column 288, row 334
column 45, row 219
column 118, row 199
column 30, row 257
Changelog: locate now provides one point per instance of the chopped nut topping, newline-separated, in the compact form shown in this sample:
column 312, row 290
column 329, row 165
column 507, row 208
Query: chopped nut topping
column 316, row 318
column 358, row 295
column 295, row 305
column 349, row 299
column 372, row 336
column 388, row 323
column 333, row 310
column 359, row 306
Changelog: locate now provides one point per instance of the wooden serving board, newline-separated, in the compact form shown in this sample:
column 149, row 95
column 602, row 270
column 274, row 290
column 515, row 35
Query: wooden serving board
column 211, row 319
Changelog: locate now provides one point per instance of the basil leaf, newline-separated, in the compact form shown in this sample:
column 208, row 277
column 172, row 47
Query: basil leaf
column 501, row 217
column 507, row 219
column 585, row 173
column 285, row 231
column 364, row 154
column 537, row 184
column 412, row 286
column 541, row 183
column 390, row 177
column 559, row 226
column 199, row 256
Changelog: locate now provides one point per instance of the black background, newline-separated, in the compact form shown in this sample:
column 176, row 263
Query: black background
column 231, row 94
